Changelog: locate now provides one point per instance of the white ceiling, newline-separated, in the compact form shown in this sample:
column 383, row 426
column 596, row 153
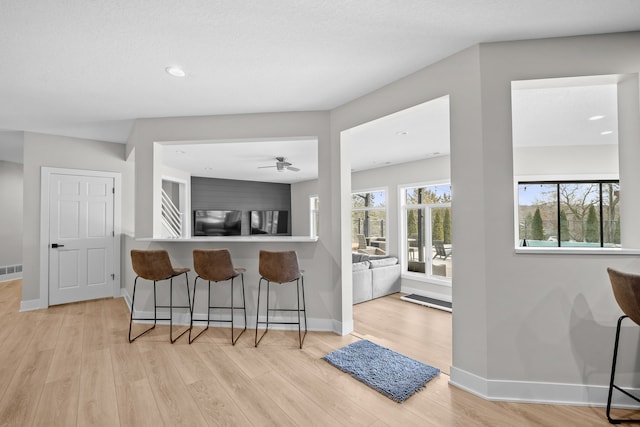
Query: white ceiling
column 89, row 69
column 245, row 160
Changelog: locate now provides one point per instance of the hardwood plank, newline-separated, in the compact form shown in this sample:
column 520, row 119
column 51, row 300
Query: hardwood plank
column 136, row 404
column 172, row 397
column 72, row 365
column 18, row 404
column 301, row 370
column 218, row 407
column 67, row 355
column 58, row 404
column 420, row 332
column 97, row 404
column 259, row 408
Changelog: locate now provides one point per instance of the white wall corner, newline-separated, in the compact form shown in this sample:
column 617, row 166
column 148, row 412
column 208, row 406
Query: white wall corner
column 33, row 304
column 343, row 328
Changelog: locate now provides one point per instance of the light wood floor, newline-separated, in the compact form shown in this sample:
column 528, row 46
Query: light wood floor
column 71, row 365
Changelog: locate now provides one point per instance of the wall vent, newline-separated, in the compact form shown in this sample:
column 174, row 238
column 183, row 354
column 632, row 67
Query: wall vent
column 10, row 272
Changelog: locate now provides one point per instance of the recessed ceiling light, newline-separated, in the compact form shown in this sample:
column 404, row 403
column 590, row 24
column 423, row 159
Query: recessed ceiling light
column 402, row 132
column 181, row 152
column 175, row 71
column 606, row 132
column 596, row 117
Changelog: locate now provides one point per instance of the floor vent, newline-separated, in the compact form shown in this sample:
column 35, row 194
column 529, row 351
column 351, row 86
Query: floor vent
column 429, row 302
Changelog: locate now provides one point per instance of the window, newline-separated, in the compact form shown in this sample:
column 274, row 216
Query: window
column 314, row 206
column 569, row 213
column 426, row 231
column 368, row 221
column 566, row 160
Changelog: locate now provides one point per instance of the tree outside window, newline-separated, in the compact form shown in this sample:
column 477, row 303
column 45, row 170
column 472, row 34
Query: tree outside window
column 569, row 214
column 427, row 212
column 368, row 217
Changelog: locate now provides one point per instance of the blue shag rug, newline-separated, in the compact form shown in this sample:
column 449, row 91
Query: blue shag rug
column 396, row 376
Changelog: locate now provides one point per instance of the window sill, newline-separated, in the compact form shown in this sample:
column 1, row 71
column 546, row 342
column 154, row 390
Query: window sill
column 421, row 277
column 577, row 251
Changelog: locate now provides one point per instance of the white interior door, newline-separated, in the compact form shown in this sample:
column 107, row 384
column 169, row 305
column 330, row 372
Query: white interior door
column 81, row 238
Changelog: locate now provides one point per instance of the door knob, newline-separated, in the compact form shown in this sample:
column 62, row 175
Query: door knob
column 55, row 245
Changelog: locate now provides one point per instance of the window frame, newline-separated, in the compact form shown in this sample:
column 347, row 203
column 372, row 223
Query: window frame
column 385, row 190
column 561, row 179
column 403, row 207
column 314, row 216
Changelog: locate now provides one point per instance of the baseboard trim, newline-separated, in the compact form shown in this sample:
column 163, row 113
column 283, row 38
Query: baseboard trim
column 30, row 305
column 10, row 277
column 540, row 392
column 183, row 319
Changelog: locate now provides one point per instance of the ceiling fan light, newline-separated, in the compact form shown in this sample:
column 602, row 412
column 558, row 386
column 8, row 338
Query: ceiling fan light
column 175, row 71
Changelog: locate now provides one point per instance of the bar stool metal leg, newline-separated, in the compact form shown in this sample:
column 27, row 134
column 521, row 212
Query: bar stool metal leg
column 133, row 300
column 182, row 306
column 611, row 383
column 257, row 341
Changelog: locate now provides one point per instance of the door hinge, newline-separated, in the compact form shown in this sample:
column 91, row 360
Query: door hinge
column 113, row 277
column 113, row 233
column 113, row 190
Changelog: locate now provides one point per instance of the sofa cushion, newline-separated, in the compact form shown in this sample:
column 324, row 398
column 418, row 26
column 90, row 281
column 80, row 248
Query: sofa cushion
column 383, row 262
column 385, row 281
column 362, row 287
column 357, row 266
column 358, row 257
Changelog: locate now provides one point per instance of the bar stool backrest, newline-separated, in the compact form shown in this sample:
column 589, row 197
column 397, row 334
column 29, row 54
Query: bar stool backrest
column 213, row 264
column 279, row 267
column 626, row 290
column 152, row 264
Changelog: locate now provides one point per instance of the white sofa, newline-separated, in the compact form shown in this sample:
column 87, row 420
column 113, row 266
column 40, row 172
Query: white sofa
column 374, row 276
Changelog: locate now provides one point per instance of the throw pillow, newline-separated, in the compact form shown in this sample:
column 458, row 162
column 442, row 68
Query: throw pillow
column 383, row 262
column 357, row 257
column 358, row 266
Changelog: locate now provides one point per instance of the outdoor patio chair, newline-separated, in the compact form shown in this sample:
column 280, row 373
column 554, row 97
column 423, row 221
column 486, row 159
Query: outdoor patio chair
column 440, row 250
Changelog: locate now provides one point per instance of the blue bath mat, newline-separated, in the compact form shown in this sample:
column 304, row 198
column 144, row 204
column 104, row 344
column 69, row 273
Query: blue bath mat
column 396, row 376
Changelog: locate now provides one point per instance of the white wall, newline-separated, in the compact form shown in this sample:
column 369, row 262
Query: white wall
column 526, row 326
column 63, row 152
column 457, row 76
column 577, row 160
column 10, row 213
column 322, row 280
column 300, row 213
column 550, row 318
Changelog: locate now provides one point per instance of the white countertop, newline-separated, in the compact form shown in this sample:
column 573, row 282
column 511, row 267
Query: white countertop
column 232, row 239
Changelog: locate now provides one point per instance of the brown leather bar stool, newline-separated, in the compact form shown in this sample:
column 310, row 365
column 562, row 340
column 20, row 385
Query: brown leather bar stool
column 626, row 290
column 215, row 265
column 155, row 265
column 280, row 268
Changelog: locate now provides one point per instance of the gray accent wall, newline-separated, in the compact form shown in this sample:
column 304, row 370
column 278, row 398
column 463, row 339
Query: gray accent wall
column 230, row 194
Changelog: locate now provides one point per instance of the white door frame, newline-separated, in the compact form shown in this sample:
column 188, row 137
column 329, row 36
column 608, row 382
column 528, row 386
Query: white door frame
column 45, row 176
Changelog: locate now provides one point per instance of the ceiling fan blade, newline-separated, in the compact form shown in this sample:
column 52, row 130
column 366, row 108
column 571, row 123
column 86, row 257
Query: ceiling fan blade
column 265, row 167
column 294, row 169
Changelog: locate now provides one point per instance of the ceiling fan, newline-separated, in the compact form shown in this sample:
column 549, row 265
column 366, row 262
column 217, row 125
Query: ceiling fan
column 281, row 165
